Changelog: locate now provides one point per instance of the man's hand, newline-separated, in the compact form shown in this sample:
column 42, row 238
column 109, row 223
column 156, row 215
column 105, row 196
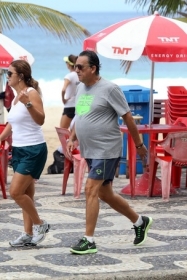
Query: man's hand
column 70, row 147
column 142, row 152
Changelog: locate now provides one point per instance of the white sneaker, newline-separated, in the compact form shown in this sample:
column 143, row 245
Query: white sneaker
column 39, row 233
column 23, row 239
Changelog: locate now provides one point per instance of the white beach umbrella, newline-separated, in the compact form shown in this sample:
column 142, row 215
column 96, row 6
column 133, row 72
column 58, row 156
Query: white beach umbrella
column 159, row 38
column 9, row 51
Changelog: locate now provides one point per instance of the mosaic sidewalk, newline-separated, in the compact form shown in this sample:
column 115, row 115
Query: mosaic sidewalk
column 163, row 255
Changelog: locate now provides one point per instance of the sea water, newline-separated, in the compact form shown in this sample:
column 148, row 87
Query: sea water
column 49, row 67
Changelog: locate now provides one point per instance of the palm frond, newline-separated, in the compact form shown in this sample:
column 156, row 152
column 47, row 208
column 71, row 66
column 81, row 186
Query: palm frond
column 164, row 7
column 59, row 24
column 184, row 15
column 127, row 65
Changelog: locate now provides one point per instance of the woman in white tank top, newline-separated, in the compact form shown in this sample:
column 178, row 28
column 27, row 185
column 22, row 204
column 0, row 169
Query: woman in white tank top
column 29, row 150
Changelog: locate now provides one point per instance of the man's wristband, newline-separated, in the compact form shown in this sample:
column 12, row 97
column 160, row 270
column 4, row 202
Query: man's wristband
column 140, row 146
column 69, row 140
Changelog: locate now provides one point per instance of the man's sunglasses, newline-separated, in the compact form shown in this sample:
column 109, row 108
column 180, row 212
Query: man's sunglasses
column 9, row 73
column 81, row 67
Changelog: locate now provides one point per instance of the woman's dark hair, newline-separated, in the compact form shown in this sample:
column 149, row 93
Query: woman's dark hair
column 93, row 59
column 23, row 69
column 72, row 58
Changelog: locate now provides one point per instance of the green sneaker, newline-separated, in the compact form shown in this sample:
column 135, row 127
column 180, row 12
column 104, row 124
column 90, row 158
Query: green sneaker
column 84, row 247
column 141, row 231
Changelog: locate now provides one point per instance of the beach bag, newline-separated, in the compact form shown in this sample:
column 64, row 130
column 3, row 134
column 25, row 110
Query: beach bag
column 58, row 165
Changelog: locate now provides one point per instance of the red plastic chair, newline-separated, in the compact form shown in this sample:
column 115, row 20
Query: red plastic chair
column 175, row 148
column 176, row 170
column 2, row 170
column 4, row 157
column 176, row 109
column 177, row 102
column 76, row 162
column 177, row 90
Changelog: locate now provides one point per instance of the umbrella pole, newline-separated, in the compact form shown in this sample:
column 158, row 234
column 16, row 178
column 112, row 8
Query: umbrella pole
column 151, row 94
column 150, row 107
column 1, row 100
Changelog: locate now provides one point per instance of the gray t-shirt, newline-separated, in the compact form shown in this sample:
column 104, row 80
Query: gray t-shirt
column 96, row 125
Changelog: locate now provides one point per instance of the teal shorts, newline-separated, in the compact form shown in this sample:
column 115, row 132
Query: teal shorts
column 29, row 160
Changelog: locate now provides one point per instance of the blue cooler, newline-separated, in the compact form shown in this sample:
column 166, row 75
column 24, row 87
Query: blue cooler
column 138, row 98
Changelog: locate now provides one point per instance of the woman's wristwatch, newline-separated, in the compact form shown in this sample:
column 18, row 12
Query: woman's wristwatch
column 28, row 104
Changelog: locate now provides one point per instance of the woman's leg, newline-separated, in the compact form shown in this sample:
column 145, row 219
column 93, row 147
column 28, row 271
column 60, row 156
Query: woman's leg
column 26, row 218
column 21, row 190
column 65, row 121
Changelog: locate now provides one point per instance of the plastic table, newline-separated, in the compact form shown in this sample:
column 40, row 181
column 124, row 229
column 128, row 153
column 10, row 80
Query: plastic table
column 140, row 185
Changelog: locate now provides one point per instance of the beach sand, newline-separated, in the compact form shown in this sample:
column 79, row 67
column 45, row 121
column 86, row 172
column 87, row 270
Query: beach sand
column 52, row 119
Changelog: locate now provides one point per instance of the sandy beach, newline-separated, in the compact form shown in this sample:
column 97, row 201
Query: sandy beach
column 52, row 119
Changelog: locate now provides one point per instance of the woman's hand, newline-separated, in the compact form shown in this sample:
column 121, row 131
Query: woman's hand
column 23, row 96
column 65, row 100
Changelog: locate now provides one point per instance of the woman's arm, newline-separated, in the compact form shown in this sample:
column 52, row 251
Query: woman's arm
column 66, row 83
column 6, row 132
column 36, row 109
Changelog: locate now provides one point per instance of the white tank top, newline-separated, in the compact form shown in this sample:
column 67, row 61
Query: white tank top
column 71, row 89
column 25, row 132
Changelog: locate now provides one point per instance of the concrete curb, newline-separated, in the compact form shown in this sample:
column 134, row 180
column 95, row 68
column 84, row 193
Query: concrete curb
column 136, row 275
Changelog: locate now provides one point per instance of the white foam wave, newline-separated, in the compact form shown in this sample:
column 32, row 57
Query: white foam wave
column 51, row 90
column 159, row 84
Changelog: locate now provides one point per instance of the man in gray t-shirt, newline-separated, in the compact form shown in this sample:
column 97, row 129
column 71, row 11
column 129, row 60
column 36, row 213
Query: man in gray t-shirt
column 99, row 103
column 97, row 110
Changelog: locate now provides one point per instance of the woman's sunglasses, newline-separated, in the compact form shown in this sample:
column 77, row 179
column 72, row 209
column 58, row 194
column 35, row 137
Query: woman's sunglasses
column 9, row 73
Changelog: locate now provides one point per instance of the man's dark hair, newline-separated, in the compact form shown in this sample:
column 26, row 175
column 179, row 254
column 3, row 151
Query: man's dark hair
column 93, row 59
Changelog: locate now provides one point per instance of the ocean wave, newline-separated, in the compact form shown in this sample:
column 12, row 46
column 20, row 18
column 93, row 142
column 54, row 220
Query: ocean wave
column 51, row 90
column 159, row 84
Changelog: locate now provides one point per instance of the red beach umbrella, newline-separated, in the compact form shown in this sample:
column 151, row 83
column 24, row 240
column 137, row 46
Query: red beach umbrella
column 9, row 51
column 161, row 39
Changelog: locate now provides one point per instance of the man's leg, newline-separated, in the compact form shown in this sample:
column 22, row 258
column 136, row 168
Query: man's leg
column 87, row 244
column 117, row 202
column 92, row 204
column 141, row 224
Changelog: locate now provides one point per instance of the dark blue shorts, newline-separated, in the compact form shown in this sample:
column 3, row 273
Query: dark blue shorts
column 29, row 160
column 102, row 169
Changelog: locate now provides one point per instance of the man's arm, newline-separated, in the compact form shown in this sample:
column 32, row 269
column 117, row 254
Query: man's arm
column 70, row 142
column 129, row 121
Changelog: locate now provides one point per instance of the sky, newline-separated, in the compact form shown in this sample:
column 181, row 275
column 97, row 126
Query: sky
column 82, row 5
